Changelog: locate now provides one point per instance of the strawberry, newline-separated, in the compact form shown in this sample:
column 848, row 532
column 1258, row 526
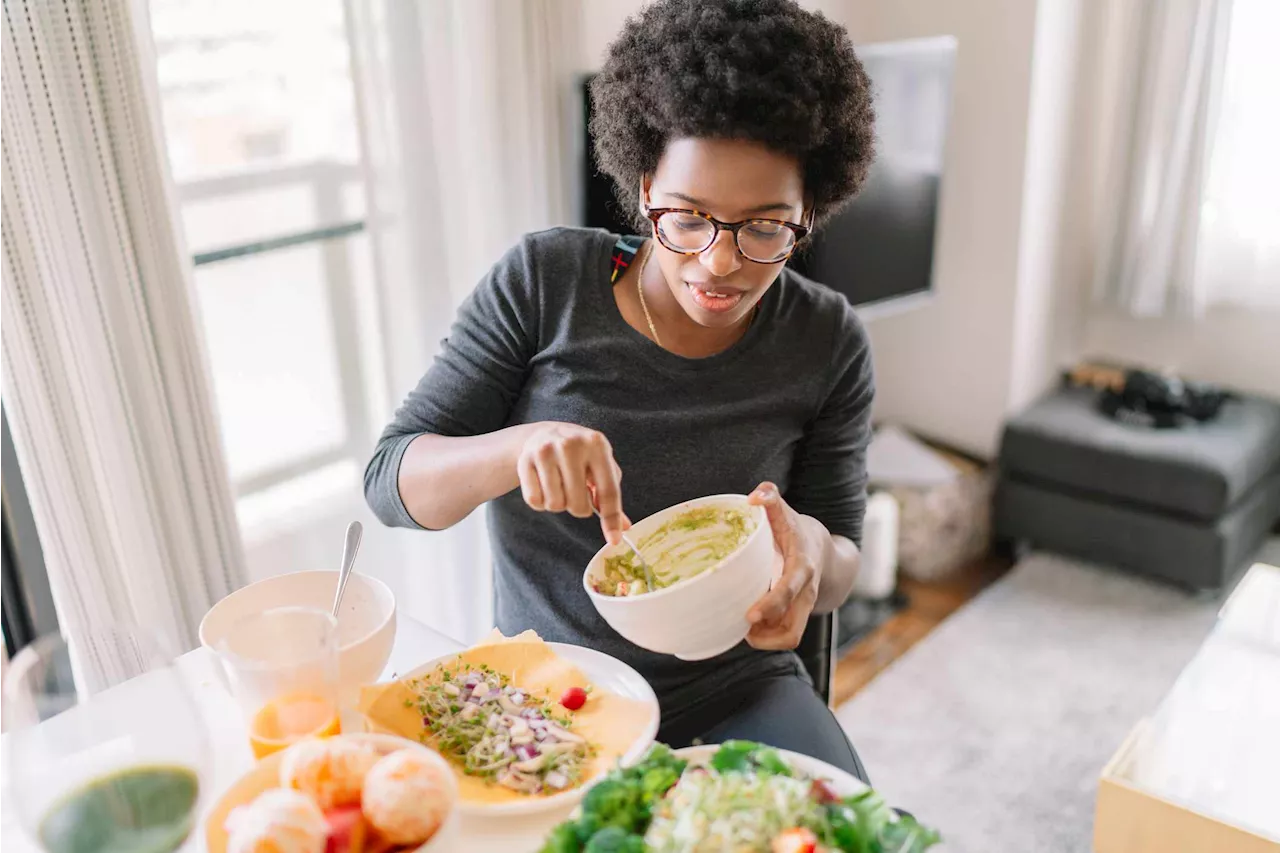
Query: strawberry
column 574, row 698
column 797, row 840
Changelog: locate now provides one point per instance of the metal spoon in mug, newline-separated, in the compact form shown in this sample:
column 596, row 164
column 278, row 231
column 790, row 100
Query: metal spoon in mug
column 349, row 549
column 648, row 572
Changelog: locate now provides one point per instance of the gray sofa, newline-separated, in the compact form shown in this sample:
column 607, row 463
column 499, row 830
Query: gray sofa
column 1189, row 506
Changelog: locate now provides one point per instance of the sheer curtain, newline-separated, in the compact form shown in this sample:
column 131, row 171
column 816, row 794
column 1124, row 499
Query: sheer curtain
column 1192, row 193
column 1168, row 71
column 105, row 383
column 467, row 112
column 1238, row 262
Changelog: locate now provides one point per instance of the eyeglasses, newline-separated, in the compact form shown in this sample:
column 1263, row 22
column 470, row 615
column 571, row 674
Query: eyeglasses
column 691, row 232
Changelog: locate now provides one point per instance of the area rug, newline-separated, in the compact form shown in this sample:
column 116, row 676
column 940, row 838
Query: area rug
column 994, row 728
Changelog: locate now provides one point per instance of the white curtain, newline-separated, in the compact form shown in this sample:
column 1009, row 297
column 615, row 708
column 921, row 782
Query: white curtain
column 105, row 383
column 1238, row 262
column 468, row 112
column 1169, row 76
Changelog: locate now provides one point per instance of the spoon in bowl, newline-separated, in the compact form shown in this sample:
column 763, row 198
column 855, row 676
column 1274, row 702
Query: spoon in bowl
column 644, row 564
column 349, row 548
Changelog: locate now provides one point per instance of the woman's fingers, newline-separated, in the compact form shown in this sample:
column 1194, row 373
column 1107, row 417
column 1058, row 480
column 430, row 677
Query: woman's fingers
column 567, row 467
column 770, row 606
column 786, row 633
column 573, row 469
column 606, row 479
column 530, row 485
column 781, row 520
column 775, row 603
column 548, row 465
column 795, row 575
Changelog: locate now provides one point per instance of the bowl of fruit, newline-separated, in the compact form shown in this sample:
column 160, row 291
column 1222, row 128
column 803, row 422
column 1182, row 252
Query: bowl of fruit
column 358, row 793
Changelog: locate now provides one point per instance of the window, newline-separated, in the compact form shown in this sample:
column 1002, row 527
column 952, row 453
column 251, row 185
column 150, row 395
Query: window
column 1238, row 261
column 261, row 130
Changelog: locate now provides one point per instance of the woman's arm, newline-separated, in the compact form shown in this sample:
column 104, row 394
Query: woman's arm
column 837, row 566
column 557, row 466
column 442, row 479
column 449, row 448
column 817, row 526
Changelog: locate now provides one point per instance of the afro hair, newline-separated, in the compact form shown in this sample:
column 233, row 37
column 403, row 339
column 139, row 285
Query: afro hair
column 766, row 71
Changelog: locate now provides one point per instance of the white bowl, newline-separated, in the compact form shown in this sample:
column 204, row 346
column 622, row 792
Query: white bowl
column 702, row 616
column 366, row 623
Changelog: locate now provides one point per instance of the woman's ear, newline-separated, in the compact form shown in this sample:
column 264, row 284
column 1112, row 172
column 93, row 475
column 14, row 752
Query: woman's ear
column 646, row 182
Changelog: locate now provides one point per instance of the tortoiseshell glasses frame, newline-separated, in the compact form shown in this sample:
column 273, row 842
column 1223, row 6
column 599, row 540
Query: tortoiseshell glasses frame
column 655, row 214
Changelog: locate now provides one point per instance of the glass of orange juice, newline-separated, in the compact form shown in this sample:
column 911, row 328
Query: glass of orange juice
column 282, row 665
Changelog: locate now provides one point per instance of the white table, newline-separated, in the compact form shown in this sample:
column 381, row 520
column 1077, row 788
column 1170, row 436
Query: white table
column 231, row 757
column 1214, row 743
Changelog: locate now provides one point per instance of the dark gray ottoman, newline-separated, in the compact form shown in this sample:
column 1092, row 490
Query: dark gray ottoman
column 1188, row 505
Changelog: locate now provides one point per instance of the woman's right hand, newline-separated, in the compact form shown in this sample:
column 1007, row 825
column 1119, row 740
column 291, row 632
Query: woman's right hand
column 561, row 467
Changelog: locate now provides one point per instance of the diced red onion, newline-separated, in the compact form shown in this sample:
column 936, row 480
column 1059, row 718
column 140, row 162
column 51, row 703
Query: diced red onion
column 556, row 779
column 524, row 753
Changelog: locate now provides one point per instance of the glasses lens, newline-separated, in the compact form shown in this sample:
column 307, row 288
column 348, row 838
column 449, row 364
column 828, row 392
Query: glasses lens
column 766, row 242
column 685, row 232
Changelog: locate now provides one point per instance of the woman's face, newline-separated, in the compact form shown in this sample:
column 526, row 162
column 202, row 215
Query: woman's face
column 731, row 180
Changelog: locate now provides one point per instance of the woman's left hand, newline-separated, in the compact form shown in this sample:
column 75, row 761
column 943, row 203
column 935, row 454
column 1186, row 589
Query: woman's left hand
column 778, row 619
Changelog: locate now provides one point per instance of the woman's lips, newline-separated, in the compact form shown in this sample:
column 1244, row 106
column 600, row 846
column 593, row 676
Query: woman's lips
column 713, row 299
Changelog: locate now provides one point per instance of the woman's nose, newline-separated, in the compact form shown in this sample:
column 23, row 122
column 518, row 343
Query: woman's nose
column 721, row 257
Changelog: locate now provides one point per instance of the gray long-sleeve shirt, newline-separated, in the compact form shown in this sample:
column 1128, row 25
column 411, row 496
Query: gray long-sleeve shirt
column 541, row 339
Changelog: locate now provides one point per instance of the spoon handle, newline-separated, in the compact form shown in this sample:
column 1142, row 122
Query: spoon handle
column 648, row 572
column 349, row 549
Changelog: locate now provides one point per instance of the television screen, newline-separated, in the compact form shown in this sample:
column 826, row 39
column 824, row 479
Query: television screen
column 879, row 247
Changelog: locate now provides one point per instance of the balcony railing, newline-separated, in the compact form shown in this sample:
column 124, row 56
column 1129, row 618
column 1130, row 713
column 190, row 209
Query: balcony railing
column 326, row 181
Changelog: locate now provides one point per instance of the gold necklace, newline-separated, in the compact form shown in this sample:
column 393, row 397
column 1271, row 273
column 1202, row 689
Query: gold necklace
column 640, row 289
column 648, row 319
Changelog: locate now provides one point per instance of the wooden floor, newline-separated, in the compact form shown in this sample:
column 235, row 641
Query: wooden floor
column 929, row 604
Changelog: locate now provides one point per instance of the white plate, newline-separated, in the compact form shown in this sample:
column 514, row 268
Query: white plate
column 841, row 782
column 605, row 672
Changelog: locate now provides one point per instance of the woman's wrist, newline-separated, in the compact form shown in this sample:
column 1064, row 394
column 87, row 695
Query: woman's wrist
column 834, row 560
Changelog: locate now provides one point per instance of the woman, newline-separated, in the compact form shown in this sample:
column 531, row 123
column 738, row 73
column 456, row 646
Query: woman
column 693, row 361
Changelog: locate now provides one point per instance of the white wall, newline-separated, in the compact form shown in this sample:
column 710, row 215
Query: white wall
column 945, row 369
column 1237, row 347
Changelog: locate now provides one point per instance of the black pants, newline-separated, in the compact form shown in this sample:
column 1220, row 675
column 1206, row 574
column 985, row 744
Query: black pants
column 780, row 710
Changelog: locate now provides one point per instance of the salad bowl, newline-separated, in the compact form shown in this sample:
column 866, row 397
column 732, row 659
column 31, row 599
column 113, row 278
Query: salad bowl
column 700, row 615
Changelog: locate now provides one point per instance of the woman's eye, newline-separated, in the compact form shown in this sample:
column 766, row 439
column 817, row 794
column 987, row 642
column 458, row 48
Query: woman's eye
column 690, row 223
column 764, row 230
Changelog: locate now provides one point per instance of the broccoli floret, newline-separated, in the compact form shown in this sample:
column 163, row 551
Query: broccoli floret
column 563, row 839
column 614, row 839
column 616, row 802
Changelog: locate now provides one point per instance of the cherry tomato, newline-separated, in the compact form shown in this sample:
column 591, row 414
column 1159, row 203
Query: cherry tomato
column 574, row 698
column 798, row 840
